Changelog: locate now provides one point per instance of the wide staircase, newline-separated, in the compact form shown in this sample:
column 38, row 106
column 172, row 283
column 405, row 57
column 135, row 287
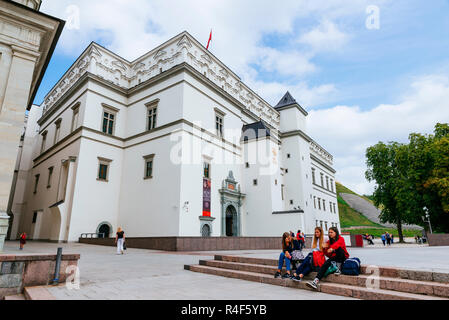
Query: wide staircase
column 391, row 283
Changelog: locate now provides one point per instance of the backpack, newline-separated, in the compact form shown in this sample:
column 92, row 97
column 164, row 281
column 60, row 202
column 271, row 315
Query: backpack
column 351, row 267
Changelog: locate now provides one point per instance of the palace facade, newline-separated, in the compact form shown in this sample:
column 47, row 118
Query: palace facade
column 171, row 144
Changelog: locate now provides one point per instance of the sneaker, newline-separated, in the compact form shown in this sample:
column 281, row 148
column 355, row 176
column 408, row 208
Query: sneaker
column 338, row 272
column 277, row 275
column 313, row 284
column 297, row 279
column 286, row 276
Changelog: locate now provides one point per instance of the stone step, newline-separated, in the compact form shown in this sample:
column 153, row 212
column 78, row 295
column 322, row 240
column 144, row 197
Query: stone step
column 390, row 272
column 15, row 297
column 325, row 287
column 37, row 293
column 386, row 283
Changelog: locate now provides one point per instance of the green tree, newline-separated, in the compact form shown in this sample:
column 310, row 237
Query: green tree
column 383, row 168
column 410, row 177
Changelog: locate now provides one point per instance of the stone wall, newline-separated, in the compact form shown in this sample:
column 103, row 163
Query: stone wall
column 438, row 240
column 18, row 272
column 196, row 243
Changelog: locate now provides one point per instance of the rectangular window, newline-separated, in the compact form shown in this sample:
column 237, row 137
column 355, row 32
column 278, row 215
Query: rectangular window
column 282, row 192
column 149, row 163
column 44, row 140
column 335, row 211
column 103, row 172
column 151, row 116
column 330, row 206
column 313, row 176
column 319, row 203
column 50, row 174
column 34, row 216
column 57, row 130
column 219, row 124
column 314, row 202
column 255, row 182
column 327, row 182
column 322, row 180
column 103, row 169
column 324, row 205
column 108, row 122
column 332, row 185
column 36, row 182
column 75, row 118
column 206, row 170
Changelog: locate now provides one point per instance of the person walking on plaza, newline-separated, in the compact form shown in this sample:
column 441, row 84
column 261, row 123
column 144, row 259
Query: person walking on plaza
column 120, row 240
column 23, row 240
column 392, row 238
column 383, row 237
column 335, row 250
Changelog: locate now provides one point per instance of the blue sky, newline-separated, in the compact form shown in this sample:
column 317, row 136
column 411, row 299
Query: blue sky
column 319, row 50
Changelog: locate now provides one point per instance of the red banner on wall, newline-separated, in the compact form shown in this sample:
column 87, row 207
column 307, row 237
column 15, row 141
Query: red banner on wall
column 206, row 198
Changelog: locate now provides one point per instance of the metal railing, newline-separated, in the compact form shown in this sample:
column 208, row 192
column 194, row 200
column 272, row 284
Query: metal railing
column 92, row 235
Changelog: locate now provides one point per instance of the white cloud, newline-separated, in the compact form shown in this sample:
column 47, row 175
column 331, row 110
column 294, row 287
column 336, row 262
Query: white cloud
column 325, row 37
column 347, row 131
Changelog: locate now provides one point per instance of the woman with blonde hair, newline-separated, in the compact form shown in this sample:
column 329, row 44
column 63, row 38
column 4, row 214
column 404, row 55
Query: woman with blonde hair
column 120, row 240
column 309, row 264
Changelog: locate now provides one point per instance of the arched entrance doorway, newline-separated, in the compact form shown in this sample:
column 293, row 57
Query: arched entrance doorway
column 231, row 221
column 104, row 230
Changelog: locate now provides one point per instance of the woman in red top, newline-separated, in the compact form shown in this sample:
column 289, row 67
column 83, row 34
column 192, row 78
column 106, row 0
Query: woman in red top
column 23, row 240
column 335, row 250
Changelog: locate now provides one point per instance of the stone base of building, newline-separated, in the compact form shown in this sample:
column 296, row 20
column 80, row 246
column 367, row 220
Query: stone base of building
column 438, row 240
column 20, row 271
column 196, row 243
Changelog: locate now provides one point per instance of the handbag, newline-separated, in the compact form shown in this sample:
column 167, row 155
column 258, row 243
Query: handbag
column 297, row 255
column 124, row 245
column 318, row 258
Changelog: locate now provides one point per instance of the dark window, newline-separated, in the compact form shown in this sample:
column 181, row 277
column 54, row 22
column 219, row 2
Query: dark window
column 206, row 172
column 152, row 118
column 34, row 217
column 108, row 123
column 103, row 172
column 149, row 168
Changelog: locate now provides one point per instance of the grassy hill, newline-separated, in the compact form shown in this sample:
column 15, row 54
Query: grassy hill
column 348, row 216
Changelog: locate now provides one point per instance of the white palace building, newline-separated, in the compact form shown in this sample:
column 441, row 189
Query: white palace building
column 171, row 144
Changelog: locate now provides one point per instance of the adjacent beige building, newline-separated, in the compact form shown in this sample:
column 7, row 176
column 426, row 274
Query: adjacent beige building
column 27, row 41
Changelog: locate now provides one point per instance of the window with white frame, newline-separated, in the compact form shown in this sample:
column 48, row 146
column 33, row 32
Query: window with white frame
column 332, row 185
column 206, row 170
column 313, row 176
column 219, row 119
column 44, row 140
column 109, row 119
column 149, row 162
column 57, row 130
column 75, row 117
column 327, row 182
column 152, row 114
column 322, row 180
column 103, row 169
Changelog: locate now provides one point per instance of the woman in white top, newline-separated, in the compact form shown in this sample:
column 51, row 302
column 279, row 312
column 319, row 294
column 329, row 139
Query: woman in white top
column 307, row 265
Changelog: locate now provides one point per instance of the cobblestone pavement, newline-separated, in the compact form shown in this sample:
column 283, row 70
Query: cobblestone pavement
column 150, row 274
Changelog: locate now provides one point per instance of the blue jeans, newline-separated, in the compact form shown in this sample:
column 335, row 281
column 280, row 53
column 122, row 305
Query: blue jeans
column 306, row 266
column 282, row 257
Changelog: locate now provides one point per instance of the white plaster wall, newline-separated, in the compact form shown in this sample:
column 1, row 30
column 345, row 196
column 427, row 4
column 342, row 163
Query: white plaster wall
column 150, row 207
column 95, row 201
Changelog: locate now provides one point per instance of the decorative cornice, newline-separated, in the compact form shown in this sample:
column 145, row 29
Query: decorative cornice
column 180, row 49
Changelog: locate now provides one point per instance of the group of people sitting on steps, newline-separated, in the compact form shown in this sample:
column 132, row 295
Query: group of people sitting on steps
column 333, row 248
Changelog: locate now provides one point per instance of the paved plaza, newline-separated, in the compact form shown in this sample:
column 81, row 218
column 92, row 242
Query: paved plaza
column 151, row 274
